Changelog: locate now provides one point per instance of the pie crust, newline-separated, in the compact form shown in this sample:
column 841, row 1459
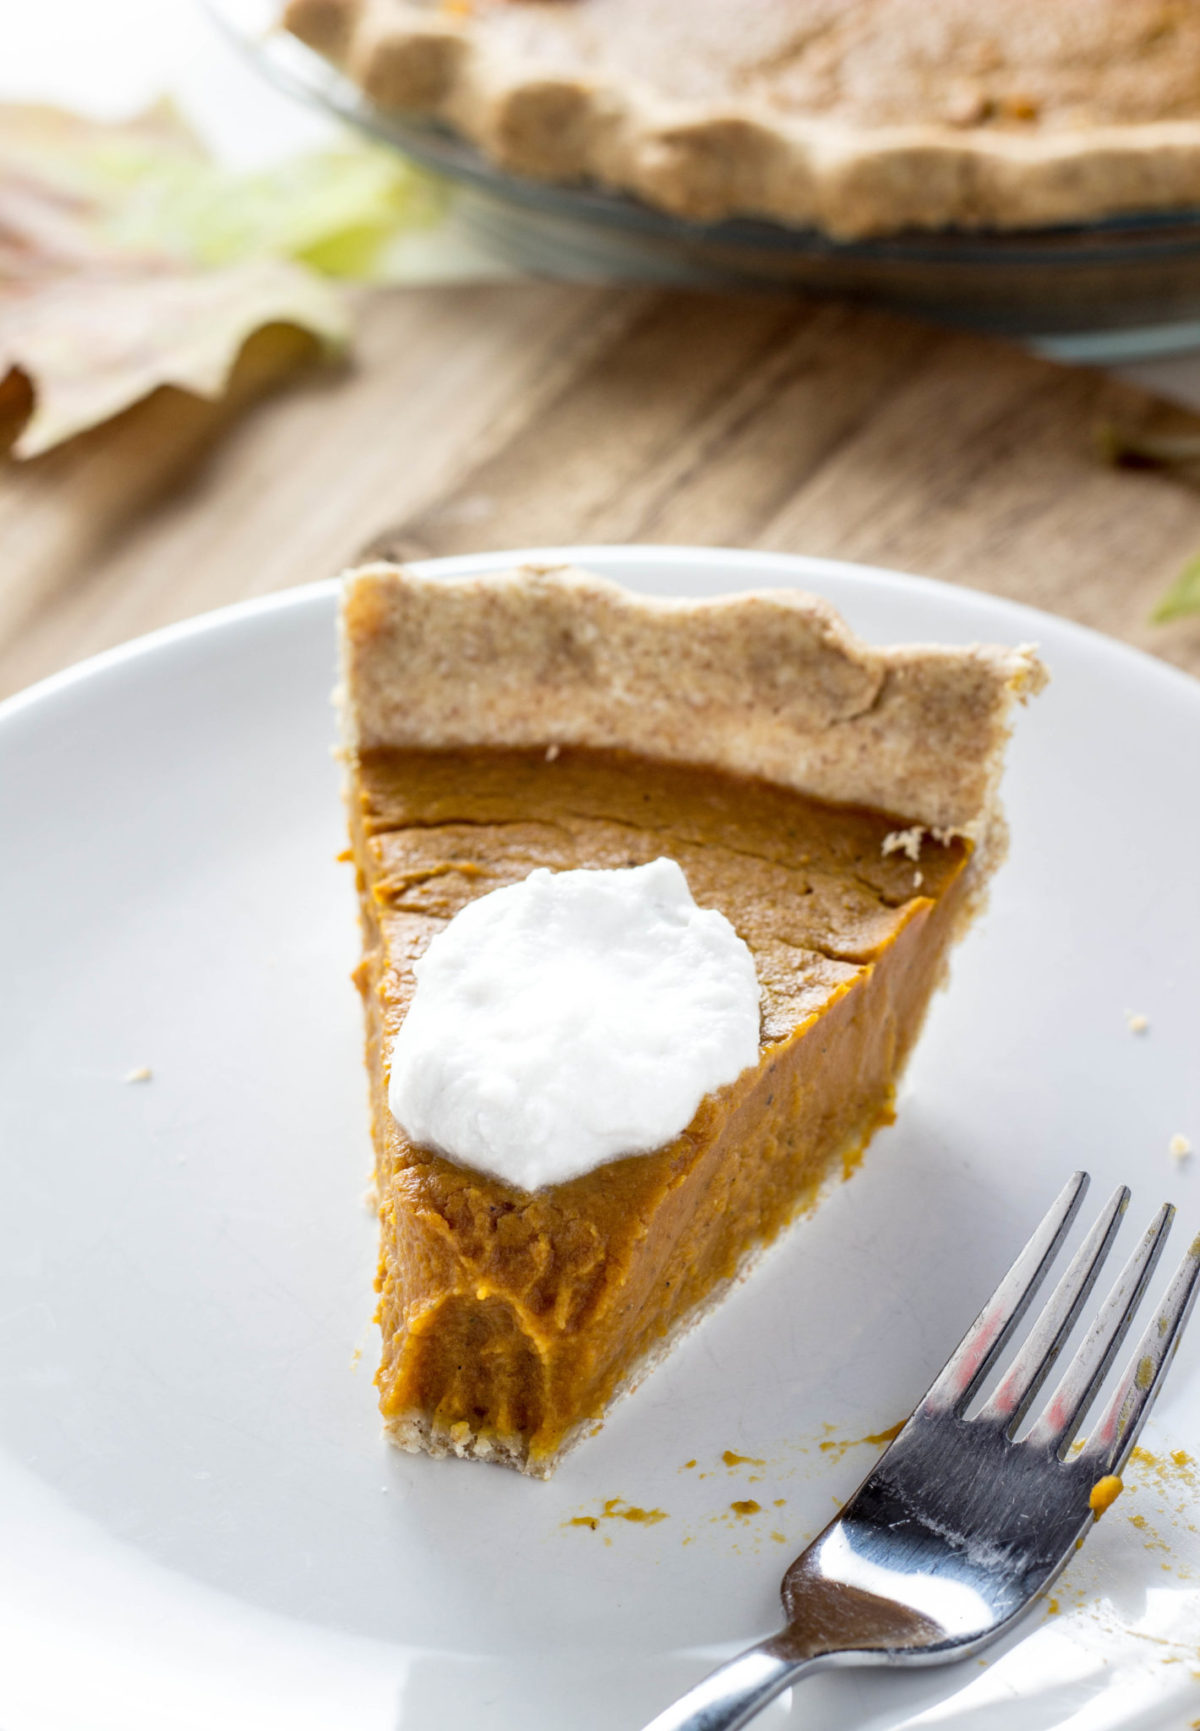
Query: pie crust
column 480, row 718
column 858, row 120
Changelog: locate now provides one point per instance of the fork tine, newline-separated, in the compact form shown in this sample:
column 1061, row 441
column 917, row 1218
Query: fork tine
column 992, row 1328
column 1064, row 1411
column 1110, row 1441
column 1009, row 1403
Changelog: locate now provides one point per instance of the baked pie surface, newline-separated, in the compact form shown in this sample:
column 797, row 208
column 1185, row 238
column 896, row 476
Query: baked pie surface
column 499, row 724
column 859, row 118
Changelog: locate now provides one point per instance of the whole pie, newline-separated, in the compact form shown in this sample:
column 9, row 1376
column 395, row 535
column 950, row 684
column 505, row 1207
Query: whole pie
column 836, row 803
column 856, row 116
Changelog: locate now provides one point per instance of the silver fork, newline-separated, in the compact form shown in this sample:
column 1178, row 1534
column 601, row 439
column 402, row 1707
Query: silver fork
column 959, row 1528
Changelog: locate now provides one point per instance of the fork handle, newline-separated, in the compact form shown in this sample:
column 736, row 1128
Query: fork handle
column 733, row 1694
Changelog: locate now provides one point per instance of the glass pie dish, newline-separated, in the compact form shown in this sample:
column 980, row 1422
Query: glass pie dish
column 1121, row 289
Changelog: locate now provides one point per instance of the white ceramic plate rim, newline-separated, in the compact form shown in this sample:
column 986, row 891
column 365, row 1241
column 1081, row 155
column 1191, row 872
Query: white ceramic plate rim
column 966, row 611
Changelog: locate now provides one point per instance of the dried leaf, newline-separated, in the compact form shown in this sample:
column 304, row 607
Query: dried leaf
column 91, row 347
column 129, row 260
column 1128, row 448
column 1183, row 597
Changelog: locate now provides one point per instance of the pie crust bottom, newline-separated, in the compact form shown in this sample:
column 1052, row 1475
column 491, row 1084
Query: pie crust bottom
column 417, row 1433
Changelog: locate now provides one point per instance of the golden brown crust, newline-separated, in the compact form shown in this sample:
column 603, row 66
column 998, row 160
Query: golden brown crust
column 812, row 126
column 770, row 684
column 326, row 25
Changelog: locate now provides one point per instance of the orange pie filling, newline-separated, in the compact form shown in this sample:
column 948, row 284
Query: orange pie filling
column 511, row 1320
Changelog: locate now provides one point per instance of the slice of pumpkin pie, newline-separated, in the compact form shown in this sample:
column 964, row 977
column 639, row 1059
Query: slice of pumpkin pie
column 654, row 895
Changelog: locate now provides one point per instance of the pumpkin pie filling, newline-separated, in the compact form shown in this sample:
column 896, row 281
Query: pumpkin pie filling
column 511, row 1320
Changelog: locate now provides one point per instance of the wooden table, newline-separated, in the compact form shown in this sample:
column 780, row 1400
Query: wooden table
column 495, row 417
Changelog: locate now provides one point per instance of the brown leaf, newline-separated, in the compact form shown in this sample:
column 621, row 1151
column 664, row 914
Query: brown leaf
column 92, row 345
column 1132, row 448
column 92, row 320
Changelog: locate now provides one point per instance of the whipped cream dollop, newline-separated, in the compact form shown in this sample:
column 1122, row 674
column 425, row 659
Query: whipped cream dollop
column 570, row 1019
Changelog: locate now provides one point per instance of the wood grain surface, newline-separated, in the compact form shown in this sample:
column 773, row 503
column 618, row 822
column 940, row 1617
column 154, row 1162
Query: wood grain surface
column 492, row 417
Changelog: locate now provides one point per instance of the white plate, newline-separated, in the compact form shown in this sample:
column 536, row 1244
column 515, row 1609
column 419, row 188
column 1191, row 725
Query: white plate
column 200, row 1524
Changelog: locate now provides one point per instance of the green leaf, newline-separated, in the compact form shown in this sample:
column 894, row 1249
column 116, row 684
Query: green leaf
column 334, row 211
column 1182, row 598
